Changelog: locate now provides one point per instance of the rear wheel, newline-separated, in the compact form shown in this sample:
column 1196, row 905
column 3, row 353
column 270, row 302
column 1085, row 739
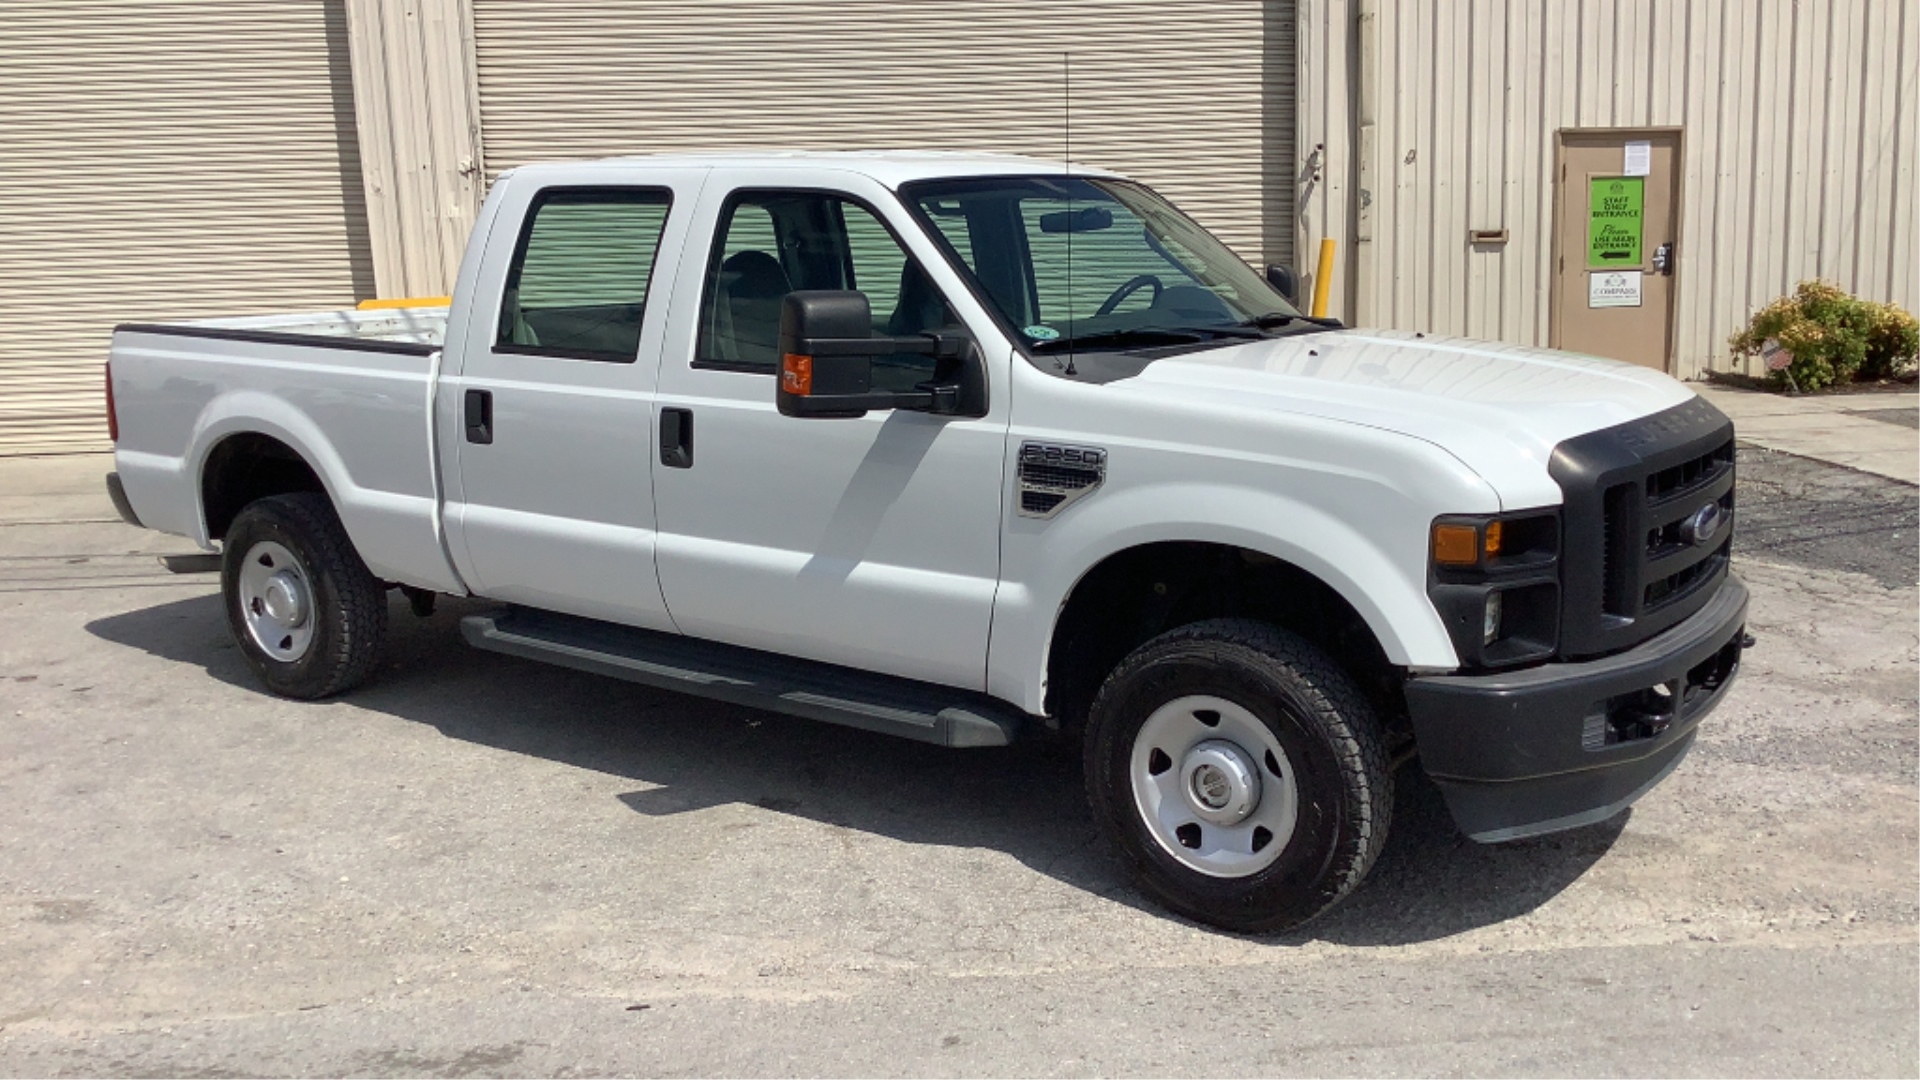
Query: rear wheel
column 305, row 610
column 1240, row 772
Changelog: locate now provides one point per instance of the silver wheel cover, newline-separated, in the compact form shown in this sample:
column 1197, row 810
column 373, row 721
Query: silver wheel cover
column 276, row 600
column 1213, row 786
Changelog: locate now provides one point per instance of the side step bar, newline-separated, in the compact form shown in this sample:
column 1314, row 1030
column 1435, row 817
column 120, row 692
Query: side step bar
column 941, row 715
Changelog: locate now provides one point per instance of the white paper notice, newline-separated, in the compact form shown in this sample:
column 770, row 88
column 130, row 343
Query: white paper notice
column 1613, row 288
column 1639, row 159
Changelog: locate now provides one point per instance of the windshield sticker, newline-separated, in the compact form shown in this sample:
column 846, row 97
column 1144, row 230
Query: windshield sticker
column 1042, row 333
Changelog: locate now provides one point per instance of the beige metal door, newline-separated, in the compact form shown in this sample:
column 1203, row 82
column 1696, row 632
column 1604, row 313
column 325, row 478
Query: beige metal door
column 1616, row 221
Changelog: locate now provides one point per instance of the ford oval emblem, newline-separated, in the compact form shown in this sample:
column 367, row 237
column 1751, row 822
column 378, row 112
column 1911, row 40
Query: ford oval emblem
column 1702, row 525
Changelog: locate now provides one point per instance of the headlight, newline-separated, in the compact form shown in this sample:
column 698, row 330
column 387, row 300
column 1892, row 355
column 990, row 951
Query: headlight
column 1495, row 580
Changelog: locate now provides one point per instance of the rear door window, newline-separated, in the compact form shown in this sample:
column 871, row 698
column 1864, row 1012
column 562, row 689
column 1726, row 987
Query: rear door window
column 577, row 287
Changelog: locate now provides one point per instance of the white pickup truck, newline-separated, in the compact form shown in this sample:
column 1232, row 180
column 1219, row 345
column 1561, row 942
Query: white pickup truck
column 969, row 448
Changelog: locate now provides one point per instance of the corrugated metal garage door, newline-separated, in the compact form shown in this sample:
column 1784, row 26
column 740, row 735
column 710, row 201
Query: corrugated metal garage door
column 158, row 161
column 1195, row 97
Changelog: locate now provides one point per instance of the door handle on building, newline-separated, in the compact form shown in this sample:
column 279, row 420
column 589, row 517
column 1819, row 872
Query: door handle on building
column 1663, row 259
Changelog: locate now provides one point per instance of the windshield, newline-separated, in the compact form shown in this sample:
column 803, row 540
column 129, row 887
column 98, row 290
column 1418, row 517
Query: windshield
column 1096, row 263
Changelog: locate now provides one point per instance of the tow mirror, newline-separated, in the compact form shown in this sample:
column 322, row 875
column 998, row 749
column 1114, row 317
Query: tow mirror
column 1282, row 279
column 827, row 349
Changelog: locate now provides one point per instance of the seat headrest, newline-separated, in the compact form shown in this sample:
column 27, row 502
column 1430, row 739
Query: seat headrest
column 755, row 275
column 920, row 307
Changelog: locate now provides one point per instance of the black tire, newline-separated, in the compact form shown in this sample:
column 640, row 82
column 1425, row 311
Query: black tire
column 348, row 605
column 1331, row 737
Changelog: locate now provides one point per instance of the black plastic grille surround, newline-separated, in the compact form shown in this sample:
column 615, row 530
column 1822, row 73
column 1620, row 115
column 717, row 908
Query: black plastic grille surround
column 1634, row 561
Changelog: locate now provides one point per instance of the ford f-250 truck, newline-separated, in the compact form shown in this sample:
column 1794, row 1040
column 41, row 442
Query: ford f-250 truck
column 964, row 448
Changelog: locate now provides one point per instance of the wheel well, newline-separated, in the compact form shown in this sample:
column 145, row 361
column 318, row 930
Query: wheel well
column 1135, row 595
column 246, row 467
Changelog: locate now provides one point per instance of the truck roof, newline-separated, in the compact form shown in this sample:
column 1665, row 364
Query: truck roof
column 889, row 167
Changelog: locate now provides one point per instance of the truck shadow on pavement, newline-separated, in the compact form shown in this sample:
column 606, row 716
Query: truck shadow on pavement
column 1025, row 801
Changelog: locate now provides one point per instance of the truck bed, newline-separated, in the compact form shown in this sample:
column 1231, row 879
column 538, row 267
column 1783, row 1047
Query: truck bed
column 421, row 329
column 351, row 392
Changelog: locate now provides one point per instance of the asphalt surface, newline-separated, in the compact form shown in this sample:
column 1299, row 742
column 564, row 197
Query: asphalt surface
column 1807, row 513
column 1903, row 417
column 482, row 866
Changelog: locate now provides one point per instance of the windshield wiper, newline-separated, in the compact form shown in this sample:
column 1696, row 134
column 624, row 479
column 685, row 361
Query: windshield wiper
column 1145, row 336
column 1274, row 319
column 1137, row 337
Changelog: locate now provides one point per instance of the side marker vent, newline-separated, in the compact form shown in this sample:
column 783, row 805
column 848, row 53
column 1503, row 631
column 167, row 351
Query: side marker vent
column 1051, row 477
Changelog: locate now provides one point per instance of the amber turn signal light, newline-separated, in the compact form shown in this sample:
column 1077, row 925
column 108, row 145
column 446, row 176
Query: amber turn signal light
column 796, row 374
column 1492, row 546
column 1456, row 545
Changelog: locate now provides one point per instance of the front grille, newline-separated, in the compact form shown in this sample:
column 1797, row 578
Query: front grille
column 1678, row 585
column 1676, row 480
column 1649, row 520
column 1616, row 568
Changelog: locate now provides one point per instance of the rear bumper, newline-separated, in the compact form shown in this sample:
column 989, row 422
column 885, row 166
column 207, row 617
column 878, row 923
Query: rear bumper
column 1564, row 745
column 117, row 492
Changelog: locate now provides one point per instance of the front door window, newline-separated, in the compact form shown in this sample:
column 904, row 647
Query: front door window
column 771, row 243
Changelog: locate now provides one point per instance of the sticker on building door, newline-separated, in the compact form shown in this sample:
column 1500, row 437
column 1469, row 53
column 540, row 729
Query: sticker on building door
column 1613, row 288
column 1614, row 219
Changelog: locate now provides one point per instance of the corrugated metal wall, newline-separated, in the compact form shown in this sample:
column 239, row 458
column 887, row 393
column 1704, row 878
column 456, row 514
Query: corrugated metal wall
column 1801, row 147
column 418, row 117
column 1191, row 96
column 163, row 161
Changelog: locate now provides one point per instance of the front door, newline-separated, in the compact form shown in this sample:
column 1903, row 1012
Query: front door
column 871, row 542
column 1617, row 224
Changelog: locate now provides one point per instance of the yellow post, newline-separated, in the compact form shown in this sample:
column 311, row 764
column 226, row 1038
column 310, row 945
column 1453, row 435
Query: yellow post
column 1323, row 279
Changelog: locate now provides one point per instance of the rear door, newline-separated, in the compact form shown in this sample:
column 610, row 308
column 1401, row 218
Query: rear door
column 553, row 504
column 872, row 542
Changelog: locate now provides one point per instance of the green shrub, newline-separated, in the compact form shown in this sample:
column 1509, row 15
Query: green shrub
column 1892, row 344
column 1833, row 337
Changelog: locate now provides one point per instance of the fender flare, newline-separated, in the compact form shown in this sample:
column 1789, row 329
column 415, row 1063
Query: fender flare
column 1376, row 583
column 251, row 412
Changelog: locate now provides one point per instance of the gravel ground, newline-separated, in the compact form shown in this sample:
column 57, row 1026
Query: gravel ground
column 481, row 866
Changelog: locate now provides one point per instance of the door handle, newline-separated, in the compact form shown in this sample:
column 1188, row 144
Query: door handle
column 1663, row 259
column 676, row 438
column 479, row 411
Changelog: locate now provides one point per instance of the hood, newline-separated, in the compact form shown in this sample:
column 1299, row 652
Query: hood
column 1499, row 409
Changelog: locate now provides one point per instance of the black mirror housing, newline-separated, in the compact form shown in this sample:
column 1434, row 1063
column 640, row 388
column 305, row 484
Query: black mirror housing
column 827, row 348
column 1283, row 281
column 826, row 368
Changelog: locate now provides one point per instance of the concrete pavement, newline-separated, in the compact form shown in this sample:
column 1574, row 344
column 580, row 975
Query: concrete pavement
column 481, row 866
column 1873, row 431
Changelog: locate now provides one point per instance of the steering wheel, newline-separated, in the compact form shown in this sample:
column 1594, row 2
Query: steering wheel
column 1131, row 286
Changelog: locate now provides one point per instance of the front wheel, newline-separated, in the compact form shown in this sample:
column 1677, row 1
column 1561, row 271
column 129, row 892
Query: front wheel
column 1241, row 774
column 304, row 609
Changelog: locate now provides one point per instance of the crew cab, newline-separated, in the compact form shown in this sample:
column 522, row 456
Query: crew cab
column 971, row 449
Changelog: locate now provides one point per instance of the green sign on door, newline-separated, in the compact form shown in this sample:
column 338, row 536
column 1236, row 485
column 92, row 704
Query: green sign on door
column 1613, row 220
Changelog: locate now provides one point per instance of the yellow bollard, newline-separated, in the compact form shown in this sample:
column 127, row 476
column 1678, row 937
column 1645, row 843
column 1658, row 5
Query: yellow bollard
column 1323, row 279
